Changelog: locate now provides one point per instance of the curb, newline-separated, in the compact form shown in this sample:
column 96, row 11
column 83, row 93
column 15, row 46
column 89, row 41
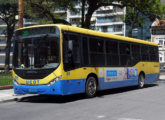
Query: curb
column 14, row 98
column 2, row 87
column 9, row 100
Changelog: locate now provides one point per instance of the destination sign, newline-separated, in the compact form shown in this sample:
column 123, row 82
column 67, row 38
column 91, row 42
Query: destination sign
column 37, row 31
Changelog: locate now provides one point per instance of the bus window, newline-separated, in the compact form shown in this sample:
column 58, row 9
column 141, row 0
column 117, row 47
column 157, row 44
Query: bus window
column 71, row 52
column 112, row 53
column 97, row 55
column 96, row 45
column 85, row 51
column 145, row 53
column 153, row 53
column 135, row 53
column 125, row 56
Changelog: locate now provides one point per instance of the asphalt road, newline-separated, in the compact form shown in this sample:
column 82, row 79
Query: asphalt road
column 117, row 104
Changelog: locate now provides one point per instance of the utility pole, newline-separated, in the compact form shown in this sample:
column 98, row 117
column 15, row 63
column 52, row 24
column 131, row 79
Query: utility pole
column 20, row 15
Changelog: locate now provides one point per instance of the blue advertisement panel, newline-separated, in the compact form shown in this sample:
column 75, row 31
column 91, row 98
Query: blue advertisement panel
column 119, row 74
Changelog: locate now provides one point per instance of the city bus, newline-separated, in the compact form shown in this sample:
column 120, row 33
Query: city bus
column 63, row 60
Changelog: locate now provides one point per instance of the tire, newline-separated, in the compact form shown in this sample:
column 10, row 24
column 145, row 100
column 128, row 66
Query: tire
column 141, row 81
column 91, row 87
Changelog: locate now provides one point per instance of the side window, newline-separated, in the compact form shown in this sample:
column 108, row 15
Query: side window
column 96, row 45
column 112, row 47
column 112, row 53
column 85, row 51
column 145, row 53
column 124, row 48
column 97, row 55
column 157, row 54
column 125, row 54
column 71, row 52
column 135, row 53
column 153, row 52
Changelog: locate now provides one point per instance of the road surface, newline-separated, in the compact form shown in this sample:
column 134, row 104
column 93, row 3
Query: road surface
column 118, row 104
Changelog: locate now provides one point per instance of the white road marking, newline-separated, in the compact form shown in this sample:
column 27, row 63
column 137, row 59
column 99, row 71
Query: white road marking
column 101, row 116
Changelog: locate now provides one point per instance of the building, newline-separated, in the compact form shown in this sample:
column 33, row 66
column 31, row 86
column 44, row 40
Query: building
column 158, row 36
column 109, row 20
column 106, row 19
column 2, row 43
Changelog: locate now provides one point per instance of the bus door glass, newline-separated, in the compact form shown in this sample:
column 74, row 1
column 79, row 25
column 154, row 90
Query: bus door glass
column 71, row 52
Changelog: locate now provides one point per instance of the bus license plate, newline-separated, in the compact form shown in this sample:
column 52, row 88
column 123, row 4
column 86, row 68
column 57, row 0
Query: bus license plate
column 32, row 90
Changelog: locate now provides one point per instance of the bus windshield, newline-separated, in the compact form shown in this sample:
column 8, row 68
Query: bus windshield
column 36, row 52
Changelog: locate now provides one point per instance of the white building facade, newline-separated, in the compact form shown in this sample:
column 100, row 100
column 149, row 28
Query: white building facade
column 158, row 36
column 105, row 19
column 2, row 44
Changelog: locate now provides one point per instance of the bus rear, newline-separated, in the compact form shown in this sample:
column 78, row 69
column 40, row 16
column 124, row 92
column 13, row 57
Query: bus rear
column 36, row 60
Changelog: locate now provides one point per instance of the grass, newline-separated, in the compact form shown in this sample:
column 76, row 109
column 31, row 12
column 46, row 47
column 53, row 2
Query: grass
column 6, row 79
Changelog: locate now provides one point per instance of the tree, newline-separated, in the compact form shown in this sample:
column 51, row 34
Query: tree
column 8, row 12
column 43, row 11
column 82, row 12
column 150, row 8
column 137, row 16
column 133, row 18
column 93, row 5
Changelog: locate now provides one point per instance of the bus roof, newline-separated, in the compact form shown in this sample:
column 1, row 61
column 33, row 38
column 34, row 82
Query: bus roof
column 94, row 33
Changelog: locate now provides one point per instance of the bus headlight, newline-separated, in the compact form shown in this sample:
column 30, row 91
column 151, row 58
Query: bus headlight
column 55, row 80
column 15, row 80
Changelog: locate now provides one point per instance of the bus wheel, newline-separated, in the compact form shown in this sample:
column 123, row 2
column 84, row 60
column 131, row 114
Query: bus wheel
column 141, row 80
column 91, row 87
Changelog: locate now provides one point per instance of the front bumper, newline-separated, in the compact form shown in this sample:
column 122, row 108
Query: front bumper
column 55, row 89
column 62, row 87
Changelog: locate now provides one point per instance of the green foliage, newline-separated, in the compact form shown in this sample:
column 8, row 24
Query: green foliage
column 5, row 79
column 43, row 11
column 150, row 8
column 133, row 15
column 138, row 13
column 8, row 12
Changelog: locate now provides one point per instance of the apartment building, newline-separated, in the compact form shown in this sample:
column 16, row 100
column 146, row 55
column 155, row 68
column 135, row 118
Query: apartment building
column 106, row 19
column 158, row 36
column 2, row 43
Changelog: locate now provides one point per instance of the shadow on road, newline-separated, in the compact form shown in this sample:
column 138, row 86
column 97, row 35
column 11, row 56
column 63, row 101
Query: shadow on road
column 72, row 98
column 122, row 90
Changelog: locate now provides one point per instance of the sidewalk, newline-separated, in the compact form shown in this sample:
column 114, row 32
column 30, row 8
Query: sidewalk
column 162, row 77
column 8, row 95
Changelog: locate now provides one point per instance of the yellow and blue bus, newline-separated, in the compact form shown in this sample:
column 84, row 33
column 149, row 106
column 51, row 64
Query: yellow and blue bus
column 63, row 60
